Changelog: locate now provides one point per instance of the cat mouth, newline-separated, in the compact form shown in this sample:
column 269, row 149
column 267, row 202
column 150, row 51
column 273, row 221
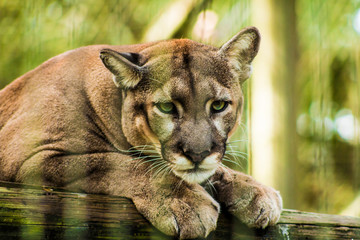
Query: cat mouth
column 193, row 170
column 195, row 175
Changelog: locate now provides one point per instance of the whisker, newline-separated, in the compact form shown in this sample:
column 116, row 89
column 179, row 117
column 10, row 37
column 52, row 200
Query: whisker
column 154, row 166
column 236, row 151
column 161, row 169
column 242, row 156
column 232, row 151
column 145, row 157
column 149, row 154
column 143, row 146
column 140, row 148
column 232, row 161
column 225, row 168
column 237, row 159
column 235, row 156
column 169, row 170
column 178, row 185
column 161, row 172
column 146, row 161
column 142, row 159
column 212, row 187
column 237, row 141
column 243, row 127
column 138, row 152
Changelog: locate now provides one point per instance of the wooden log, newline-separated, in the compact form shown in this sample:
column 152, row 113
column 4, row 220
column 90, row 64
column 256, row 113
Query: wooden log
column 33, row 212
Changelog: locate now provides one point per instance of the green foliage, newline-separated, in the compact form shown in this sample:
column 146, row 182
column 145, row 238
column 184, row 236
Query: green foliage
column 34, row 30
column 328, row 104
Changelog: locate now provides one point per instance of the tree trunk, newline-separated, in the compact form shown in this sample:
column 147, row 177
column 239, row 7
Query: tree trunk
column 273, row 106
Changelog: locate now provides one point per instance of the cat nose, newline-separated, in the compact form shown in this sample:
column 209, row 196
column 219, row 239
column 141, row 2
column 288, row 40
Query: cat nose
column 196, row 158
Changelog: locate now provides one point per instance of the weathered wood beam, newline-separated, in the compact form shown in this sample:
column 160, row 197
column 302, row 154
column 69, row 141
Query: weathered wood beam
column 33, row 212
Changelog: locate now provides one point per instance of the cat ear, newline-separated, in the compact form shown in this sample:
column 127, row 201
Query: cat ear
column 241, row 50
column 124, row 66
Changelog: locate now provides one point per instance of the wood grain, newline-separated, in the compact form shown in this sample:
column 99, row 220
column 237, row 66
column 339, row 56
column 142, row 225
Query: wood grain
column 33, row 212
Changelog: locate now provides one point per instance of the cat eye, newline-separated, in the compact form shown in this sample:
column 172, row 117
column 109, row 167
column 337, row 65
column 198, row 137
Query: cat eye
column 219, row 106
column 167, row 107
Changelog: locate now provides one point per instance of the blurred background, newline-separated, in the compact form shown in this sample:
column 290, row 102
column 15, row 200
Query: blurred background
column 301, row 125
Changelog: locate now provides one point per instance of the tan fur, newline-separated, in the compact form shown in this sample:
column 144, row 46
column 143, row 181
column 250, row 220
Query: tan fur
column 67, row 124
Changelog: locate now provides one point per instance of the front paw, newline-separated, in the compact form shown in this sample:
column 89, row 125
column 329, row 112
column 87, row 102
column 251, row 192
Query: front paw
column 260, row 207
column 193, row 214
